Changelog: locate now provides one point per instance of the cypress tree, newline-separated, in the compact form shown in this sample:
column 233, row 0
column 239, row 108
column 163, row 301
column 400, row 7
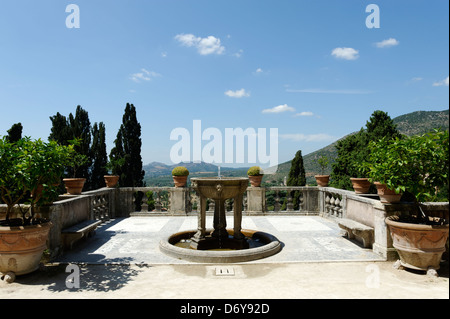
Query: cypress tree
column 81, row 130
column 127, row 151
column 297, row 177
column 99, row 156
column 60, row 131
column 15, row 133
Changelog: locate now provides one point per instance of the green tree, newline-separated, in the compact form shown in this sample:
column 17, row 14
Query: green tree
column 81, row 129
column 15, row 133
column 91, row 144
column 126, row 154
column 60, row 131
column 99, row 156
column 353, row 150
column 297, row 177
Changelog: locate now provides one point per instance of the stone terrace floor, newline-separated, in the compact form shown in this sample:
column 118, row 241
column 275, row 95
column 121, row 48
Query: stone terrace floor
column 135, row 240
column 123, row 261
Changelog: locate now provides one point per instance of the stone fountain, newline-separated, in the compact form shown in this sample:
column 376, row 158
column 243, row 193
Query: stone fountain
column 220, row 244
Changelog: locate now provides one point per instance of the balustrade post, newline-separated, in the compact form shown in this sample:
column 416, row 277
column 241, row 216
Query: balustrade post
column 179, row 200
column 256, row 200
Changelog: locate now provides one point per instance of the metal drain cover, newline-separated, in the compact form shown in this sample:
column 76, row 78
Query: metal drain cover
column 225, row 271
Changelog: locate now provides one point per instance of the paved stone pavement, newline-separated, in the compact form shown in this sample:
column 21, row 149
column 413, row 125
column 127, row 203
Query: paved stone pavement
column 136, row 240
column 123, row 261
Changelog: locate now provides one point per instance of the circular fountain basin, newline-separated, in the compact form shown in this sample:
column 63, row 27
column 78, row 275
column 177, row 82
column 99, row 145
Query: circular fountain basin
column 261, row 245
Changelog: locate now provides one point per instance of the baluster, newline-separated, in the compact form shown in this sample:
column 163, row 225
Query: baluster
column 157, row 201
column 211, row 206
column 327, row 203
column 290, row 204
column 330, row 211
column 277, row 206
column 244, row 202
column 336, row 206
column 144, row 207
column 302, row 201
column 106, row 206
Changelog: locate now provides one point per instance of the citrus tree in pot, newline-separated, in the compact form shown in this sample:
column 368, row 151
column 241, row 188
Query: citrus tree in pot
column 74, row 185
column 417, row 165
column 322, row 179
column 29, row 171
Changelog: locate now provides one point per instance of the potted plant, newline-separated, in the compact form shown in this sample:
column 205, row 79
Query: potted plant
column 180, row 175
column 111, row 180
column 255, row 175
column 74, row 185
column 25, row 166
column 386, row 168
column 418, row 165
column 360, row 183
column 322, row 180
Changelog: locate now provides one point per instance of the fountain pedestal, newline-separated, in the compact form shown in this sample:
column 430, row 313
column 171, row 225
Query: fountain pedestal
column 219, row 190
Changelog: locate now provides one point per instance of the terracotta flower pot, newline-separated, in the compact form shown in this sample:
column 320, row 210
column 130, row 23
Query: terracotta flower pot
column 361, row 185
column 419, row 246
column 322, row 180
column 111, row 180
column 180, row 181
column 256, row 180
column 21, row 248
column 74, row 186
column 387, row 196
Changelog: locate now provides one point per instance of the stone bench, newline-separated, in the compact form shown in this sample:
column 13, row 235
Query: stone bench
column 354, row 229
column 74, row 233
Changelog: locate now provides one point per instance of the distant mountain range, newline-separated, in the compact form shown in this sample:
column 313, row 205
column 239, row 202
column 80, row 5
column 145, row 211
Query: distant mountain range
column 415, row 123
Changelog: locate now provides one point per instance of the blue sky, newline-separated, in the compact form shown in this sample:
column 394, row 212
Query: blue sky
column 312, row 69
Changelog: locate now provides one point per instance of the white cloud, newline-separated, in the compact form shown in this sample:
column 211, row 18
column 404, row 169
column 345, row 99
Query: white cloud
column 345, row 53
column 322, row 137
column 259, row 70
column 205, row 46
column 237, row 94
column 387, row 43
column 305, row 114
column 279, row 109
column 238, row 54
column 444, row 82
column 144, row 75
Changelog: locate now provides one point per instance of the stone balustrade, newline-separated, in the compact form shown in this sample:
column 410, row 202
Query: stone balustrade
column 327, row 202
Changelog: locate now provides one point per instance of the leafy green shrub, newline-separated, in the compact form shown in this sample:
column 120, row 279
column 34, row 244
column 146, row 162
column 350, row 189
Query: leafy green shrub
column 323, row 162
column 180, row 171
column 27, row 166
column 255, row 171
column 418, row 165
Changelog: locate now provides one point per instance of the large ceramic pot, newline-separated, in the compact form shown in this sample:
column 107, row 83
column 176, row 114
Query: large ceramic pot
column 361, row 185
column 21, row 248
column 74, row 186
column 387, row 196
column 111, row 180
column 255, row 180
column 180, row 181
column 322, row 180
column 419, row 246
